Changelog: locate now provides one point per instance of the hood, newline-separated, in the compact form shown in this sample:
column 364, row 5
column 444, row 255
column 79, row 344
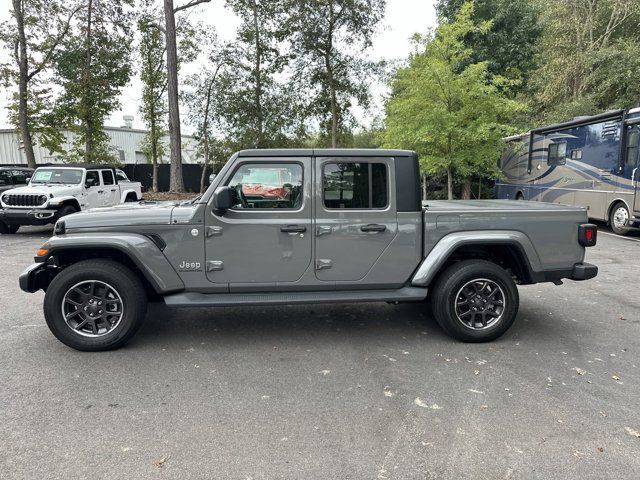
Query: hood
column 127, row 214
column 55, row 190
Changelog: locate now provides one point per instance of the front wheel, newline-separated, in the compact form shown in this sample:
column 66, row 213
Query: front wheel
column 8, row 229
column 475, row 301
column 95, row 305
column 619, row 219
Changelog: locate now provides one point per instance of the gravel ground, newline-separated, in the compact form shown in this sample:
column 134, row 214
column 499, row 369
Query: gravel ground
column 372, row 391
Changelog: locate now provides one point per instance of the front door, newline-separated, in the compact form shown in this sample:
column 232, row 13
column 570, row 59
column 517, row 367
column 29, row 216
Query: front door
column 632, row 162
column 265, row 239
column 93, row 191
column 111, row 191
column 355, row 215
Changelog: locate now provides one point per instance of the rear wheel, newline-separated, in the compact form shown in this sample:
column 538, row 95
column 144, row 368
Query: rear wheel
column 95, row 305
column 475, row 301
column 519, row 196
column 8, row 229
column 619, row 219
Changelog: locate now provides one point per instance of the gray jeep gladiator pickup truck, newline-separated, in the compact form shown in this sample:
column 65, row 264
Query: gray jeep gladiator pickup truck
column 305, row 226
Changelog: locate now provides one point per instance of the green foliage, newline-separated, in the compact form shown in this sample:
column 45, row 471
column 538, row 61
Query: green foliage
column 510, row 43
column 92, row 67
column 589, row 60
column 329, row 42
column 453, row 117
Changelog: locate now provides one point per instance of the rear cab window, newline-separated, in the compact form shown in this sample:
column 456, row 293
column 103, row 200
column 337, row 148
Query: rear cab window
column 355, row 185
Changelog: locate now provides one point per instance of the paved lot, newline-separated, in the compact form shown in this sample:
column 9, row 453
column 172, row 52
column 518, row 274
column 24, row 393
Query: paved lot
column 358, row 392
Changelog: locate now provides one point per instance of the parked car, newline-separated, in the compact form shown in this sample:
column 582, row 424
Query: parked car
column 11, row 177
column 355, row 232
column 55, row 191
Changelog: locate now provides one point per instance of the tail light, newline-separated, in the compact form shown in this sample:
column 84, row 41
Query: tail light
column 587, row 234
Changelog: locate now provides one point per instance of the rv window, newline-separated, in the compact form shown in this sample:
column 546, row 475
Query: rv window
column 576, row 154
column 557, row 154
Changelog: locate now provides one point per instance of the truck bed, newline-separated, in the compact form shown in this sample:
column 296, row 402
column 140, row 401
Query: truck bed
column 494, row 205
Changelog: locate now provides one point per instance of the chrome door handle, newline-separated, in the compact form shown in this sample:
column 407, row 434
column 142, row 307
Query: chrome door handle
column 113, row 189
column 293, row 229
column 373, row 227
column 100, row 191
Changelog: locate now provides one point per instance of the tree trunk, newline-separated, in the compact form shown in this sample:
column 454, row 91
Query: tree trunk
column 479, row 188
column 176, row 183
column 449, row 183
column 154, row 155
column 88, row 121
column 205, row 130
column 466, row 189
column 424, row 187
column 258, row 79
column 330, row 79
column 23, row 86
column 154, row 182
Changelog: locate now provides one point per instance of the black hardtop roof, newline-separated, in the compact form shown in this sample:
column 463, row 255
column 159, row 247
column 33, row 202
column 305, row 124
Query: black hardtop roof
column 15, row 167
column 88, row 166
column 325, row 152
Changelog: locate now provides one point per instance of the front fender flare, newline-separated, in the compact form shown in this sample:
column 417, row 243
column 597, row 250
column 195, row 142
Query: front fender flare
column 436, row 258
column 142, row 251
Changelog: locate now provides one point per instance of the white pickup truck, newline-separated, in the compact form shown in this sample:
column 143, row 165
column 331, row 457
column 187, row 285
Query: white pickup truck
column 56, row 191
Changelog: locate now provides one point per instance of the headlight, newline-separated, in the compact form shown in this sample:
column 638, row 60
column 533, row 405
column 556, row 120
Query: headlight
column 42, row 199
column 5, row 198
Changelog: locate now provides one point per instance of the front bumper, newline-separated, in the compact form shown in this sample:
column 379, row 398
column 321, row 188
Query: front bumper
column 24, row 216
column 29, row 278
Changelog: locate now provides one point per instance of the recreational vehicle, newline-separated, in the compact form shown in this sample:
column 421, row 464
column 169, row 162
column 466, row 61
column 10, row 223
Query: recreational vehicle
column 590, row 162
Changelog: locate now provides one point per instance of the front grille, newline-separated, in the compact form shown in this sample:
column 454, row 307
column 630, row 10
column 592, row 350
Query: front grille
column 23, row 200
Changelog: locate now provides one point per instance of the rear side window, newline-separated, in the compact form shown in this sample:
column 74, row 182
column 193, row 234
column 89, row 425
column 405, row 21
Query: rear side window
column 107, row 177
column 122, row 177
column 351, row 185
column 557, row 154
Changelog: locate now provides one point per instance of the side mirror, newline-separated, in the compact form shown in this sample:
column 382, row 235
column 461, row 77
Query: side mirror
column 90, row 182
column 28, row 179
column 223, row 199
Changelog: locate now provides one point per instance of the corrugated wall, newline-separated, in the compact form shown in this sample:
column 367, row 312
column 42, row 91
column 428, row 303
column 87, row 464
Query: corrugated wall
column 127, row 143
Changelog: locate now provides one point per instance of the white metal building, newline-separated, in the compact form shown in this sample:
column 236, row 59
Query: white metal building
column 126, row 140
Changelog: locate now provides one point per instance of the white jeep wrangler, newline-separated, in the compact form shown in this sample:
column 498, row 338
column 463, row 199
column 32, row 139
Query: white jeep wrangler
column 58, row 190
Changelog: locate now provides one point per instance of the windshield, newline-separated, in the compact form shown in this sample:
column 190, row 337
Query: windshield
column 57, row 175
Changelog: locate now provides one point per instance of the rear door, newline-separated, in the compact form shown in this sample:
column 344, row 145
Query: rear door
column 111, row 190
column 355, row 215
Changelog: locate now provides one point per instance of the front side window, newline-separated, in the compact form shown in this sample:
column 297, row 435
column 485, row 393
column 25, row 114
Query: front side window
column 557, row 154
column 57, row 175
column 353, row 185
column 267, row 185
column 5, row 177
column 107, row 177
column 93, row 179
column 20, row 177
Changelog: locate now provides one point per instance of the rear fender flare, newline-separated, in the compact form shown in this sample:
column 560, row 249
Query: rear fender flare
column 441, row 252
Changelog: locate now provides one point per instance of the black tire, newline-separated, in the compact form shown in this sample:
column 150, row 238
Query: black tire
column 129, row 288
column 519, row 196
column 8, row 229
column 66, row 210
column 448, row 290
column 618, row 213
column 131, row 197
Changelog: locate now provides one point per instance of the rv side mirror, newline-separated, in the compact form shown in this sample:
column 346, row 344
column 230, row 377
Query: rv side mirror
column 223, row 199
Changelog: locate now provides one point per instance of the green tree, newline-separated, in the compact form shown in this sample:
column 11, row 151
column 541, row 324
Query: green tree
column 203, row 100
column 510, row 44
column 453, row 118
column 589, row 60
column 256, row 110
column 153, row 75
column 92, row 67
column 329, row 39
column 34, row 35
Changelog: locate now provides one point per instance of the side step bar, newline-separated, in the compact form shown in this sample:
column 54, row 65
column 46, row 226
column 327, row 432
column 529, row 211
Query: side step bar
column 195, row 299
